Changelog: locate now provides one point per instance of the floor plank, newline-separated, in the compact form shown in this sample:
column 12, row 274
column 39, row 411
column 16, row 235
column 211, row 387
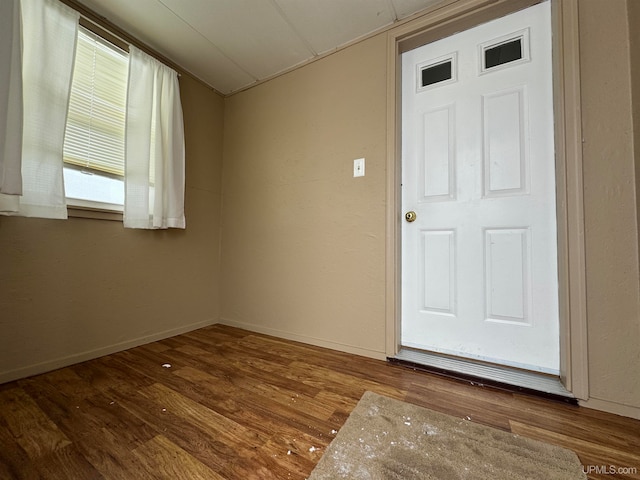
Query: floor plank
column 32, row 429
column 224, row 403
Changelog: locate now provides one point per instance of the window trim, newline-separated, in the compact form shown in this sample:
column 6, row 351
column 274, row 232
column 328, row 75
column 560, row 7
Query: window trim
column 94, row 213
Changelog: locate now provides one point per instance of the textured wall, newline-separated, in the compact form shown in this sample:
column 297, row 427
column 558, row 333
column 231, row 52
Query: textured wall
column 610, row 203
column 74, row 289
column 634, row 45
column 303, row 241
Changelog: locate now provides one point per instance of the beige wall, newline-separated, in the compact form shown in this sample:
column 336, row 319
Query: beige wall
column 634, row 41
column 303, row 242
column 610, row 203
column 75, row 289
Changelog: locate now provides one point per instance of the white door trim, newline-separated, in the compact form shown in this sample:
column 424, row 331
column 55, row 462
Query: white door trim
column 443, row 21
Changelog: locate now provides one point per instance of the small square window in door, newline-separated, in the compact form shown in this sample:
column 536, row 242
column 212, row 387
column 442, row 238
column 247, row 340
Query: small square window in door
column 503, row 53
column 436, row 72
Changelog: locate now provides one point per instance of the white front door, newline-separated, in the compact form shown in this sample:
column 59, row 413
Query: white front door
column 479, row 262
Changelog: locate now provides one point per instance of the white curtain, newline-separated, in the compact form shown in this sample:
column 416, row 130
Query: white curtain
column 10, row 99
column 154, row 150
column 49, row 31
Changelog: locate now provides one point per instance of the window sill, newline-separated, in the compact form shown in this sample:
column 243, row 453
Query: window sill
column 78, row 211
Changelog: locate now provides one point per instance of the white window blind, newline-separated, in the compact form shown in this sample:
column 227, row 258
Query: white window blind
column 94, row 138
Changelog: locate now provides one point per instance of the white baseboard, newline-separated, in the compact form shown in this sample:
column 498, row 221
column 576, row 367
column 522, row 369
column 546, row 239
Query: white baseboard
column 611, row 407
column 61, row 362
column 318, row 342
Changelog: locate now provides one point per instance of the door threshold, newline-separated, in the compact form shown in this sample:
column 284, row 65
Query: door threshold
column 498, row 376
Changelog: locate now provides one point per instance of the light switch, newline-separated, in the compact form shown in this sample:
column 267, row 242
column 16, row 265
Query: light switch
column 358, row 167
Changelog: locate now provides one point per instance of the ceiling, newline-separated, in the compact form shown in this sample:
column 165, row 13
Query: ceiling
column 232, row 44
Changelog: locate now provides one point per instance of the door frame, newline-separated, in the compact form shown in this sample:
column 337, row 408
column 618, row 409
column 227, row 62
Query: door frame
column 445, row 19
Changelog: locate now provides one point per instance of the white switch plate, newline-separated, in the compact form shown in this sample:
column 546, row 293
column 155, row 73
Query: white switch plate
column 358, row 167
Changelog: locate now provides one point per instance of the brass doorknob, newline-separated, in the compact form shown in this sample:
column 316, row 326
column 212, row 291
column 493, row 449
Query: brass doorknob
column 410, row 216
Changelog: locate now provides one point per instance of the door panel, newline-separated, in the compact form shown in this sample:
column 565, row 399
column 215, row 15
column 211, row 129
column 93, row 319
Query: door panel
column 438, row 166
column 479, row 264
column 439, row 280
column 507, row 293
column 503, row 124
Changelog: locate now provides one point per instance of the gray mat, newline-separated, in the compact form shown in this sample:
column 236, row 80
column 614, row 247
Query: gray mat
column 386, row 439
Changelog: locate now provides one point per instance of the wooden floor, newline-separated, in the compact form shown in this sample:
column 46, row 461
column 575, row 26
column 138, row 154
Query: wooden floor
column 223, row 403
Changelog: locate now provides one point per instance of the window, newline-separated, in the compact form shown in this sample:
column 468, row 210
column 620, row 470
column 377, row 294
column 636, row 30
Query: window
column 95, row 131
column 74, row 150
column 437, row 72
column 504, row 52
